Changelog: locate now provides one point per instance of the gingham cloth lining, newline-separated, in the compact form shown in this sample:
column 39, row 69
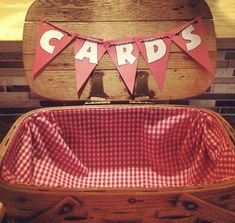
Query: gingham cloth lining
column 119, row 147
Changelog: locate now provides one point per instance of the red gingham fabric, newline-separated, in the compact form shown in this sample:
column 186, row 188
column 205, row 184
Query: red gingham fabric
column 119, row 147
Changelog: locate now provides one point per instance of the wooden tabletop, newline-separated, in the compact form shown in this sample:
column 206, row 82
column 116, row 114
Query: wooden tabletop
column 13, row 13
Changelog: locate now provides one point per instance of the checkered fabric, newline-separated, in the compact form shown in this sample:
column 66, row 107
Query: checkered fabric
column 119, row 147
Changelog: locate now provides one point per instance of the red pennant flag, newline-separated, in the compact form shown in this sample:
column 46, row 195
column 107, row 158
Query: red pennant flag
column 51, row 41
column 156, row 50
column 125, row 54
column 88, row 53
column 191, row 39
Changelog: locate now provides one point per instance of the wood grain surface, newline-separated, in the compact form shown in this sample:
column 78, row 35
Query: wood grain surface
column 15, row 11
column 114, row 19
column 116, row 10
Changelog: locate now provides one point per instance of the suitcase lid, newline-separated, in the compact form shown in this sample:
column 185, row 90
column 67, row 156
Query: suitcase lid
column 111, row 19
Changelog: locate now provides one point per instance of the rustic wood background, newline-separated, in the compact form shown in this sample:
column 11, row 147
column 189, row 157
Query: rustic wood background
column 15, row 11
column 111, row 19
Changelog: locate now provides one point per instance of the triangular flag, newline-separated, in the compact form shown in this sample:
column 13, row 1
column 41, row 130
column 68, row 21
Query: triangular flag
column 124, row 54
column 155, row 50
column 88, row 53
column 191, row 39
column 51, row 41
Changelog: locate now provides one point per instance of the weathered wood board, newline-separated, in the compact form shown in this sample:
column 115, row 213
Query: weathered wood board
column 109, row 20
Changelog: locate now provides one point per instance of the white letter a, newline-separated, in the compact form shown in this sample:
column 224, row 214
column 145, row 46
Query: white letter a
column 89, row 50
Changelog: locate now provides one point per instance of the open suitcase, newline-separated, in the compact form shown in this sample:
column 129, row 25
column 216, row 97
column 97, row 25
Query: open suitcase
column 117, row 158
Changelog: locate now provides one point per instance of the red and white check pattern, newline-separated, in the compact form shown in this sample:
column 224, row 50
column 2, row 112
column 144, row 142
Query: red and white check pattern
column 119, row 147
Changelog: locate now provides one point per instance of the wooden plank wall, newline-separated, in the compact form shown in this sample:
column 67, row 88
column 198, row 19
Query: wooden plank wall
column 16, row 97
column 110, row 20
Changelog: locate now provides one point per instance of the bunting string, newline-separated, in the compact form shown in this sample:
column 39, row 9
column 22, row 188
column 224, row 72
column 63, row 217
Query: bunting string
column 124, row 52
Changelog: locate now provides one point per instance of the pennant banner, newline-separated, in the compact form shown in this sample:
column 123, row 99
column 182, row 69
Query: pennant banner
column 51, row 41
column 191, row 39
column 125, row 54
column 88, row 53
column 156, row 50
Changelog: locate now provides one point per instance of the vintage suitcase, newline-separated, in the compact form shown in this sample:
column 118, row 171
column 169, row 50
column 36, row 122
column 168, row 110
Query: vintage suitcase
column 115, row 157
